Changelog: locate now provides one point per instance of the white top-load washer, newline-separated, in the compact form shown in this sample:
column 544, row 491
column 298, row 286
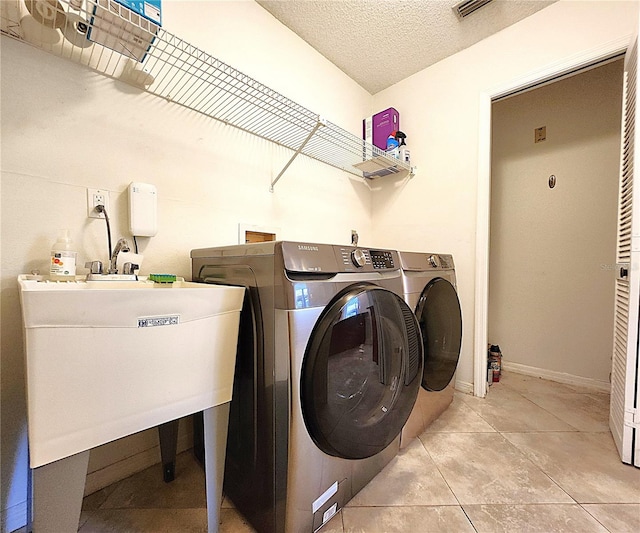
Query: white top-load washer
column 429, row 288
column 328, row 367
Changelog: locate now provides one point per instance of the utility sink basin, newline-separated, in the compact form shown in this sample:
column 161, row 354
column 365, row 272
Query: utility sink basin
column 108, row 359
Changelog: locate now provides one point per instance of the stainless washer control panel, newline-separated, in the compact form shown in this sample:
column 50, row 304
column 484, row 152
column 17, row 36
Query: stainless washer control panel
column 382, row 259
column 360, row 257
column 332, row 258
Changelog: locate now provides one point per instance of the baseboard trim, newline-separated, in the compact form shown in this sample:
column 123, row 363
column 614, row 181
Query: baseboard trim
column 131, row 465
column 560, row 377
column 464, row 386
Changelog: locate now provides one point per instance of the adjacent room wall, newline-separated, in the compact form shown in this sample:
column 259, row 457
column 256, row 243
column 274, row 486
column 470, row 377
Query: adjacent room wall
column 65, row 128
column 440, row 114
column 552, row 251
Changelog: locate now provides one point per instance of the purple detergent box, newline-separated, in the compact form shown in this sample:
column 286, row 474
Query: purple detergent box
column 376, row 128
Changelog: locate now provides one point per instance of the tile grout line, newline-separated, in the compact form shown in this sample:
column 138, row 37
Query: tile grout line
column 447, row 483
column 524, row 454
column 594, row 517
column 538, row 467
column 515, row 391
column 567, row 393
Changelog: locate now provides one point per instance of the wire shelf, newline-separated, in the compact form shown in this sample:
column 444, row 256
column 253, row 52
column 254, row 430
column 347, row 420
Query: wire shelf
column 109, row 38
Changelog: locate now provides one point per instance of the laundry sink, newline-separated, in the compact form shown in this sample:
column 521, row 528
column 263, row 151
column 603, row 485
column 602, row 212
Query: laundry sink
column 107, row 359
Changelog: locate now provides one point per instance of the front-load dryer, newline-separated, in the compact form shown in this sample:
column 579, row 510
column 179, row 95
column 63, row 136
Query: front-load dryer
column 429, row 288
column 328, row 368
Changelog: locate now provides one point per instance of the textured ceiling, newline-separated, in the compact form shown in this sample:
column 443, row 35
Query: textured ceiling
column 380, row 42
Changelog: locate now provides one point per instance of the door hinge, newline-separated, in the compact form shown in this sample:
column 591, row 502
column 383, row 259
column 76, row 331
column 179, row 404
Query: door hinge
column 632, row 418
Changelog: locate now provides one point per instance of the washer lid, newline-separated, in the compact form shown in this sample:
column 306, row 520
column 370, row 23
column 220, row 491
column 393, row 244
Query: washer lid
column 361, row 372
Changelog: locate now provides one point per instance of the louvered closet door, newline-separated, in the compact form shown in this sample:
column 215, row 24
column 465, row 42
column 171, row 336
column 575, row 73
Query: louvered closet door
column 625, row 388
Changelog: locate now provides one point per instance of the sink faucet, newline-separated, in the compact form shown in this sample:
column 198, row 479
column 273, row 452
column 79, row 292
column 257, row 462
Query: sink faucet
column 121, row 246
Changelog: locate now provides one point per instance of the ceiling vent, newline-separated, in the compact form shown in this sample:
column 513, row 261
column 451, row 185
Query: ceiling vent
column 466, row 7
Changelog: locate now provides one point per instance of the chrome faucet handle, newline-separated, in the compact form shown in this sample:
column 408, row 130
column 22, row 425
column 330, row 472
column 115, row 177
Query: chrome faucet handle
column 95, row 267
column 130, row 268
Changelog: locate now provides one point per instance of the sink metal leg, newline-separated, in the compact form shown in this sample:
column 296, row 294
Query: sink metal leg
column 216, row 425
column 56, row 495
column 168, row 433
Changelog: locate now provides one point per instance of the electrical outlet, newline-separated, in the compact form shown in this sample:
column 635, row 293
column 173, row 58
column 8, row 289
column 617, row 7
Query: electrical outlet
column 96, row 197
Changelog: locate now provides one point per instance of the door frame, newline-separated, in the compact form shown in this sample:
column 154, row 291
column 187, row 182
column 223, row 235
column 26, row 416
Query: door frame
column 529, row 81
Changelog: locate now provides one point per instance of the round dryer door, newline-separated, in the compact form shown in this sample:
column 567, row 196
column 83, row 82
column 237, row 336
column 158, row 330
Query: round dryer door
column 361, row 372
column 440, row 320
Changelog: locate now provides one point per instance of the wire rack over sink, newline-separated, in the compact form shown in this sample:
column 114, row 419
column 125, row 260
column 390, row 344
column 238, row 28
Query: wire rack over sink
column 111, row 39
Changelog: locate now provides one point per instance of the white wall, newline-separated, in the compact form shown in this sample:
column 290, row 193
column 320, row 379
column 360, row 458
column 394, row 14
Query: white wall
column 552, row 277
column 439, row 111
column 65, row 128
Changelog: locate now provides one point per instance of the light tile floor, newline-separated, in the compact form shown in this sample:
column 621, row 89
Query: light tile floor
column 534, row 456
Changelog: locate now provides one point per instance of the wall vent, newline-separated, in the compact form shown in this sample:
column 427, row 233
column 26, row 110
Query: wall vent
column 466, row 7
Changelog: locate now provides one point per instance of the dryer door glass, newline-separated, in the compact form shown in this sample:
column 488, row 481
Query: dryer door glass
column 440, row 319
column 361, row 372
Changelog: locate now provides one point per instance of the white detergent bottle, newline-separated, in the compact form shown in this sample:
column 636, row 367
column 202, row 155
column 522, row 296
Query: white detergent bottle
column 63, row 258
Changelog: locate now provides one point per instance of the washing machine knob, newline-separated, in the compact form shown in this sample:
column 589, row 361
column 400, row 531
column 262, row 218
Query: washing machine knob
column 434, row 261
column 358, row 258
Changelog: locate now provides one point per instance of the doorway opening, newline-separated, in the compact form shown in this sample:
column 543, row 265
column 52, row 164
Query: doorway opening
column 536, row 79
column 555, row 165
